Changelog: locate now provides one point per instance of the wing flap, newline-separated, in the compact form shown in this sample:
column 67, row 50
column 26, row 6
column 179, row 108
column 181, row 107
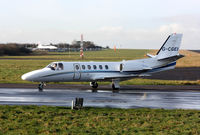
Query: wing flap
column 119, row 76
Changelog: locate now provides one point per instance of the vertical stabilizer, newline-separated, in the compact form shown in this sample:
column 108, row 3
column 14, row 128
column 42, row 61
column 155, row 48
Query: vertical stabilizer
column 170, row 47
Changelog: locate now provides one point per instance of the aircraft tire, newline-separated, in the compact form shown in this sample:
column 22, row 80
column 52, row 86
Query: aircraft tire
column 94, row 85
column 114, row 88
column 40, row 87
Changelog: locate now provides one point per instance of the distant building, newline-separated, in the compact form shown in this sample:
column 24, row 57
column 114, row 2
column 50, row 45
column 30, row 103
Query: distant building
column 63, row 47
column 45, row 47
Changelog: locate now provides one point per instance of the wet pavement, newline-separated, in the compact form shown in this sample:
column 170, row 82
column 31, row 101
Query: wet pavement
column 178, row 99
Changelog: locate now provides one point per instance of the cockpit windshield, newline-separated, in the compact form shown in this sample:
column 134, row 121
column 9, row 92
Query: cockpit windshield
column 56, row 66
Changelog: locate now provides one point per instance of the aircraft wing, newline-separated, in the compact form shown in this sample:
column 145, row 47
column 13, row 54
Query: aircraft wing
column 119, row 76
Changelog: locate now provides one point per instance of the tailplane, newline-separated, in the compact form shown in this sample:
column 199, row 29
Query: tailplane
column 170, row 48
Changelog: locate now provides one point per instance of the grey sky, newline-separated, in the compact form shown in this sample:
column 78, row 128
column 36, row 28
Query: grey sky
column 124, row 23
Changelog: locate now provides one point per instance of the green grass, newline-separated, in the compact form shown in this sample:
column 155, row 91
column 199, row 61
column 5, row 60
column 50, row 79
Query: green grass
column 61, row 120
column 12, row 69
column 105, row 55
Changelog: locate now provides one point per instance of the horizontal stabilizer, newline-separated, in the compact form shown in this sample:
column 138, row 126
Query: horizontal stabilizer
column 151, row 56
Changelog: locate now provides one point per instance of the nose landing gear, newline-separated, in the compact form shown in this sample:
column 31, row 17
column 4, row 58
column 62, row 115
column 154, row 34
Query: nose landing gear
column 41, row 86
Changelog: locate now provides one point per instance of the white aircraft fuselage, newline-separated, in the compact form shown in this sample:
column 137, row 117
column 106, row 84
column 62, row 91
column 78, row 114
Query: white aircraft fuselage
column 92, row 72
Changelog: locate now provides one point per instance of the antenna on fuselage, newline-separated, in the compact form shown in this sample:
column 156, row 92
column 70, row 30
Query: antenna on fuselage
column 81, row 49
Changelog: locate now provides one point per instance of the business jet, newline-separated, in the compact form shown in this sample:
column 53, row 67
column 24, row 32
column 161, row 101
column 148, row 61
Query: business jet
column 92, row 72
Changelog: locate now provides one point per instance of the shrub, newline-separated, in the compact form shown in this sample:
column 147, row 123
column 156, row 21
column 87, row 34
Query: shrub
column 13, row 49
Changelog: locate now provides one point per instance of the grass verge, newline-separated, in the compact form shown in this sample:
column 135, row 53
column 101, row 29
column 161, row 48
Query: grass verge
column 62, row 120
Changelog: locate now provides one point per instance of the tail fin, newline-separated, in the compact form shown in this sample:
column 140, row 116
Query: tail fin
column 170, row 47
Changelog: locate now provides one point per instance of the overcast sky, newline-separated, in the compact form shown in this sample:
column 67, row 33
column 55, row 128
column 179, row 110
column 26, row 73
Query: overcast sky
column 124, row 23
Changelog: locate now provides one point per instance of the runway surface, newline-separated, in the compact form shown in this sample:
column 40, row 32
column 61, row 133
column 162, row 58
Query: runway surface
column 178, row 99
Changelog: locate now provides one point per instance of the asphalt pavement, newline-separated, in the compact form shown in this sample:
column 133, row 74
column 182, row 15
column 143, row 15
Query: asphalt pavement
column 177, row 99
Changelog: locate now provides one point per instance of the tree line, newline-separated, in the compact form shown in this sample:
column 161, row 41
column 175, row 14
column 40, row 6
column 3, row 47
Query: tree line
column 13, row 49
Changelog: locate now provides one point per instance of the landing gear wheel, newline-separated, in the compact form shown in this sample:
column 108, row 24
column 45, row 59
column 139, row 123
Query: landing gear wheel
column 41, row 87
column 114, row 88
column 94, row 85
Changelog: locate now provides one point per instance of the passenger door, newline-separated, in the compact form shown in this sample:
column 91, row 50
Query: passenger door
column 77, row 73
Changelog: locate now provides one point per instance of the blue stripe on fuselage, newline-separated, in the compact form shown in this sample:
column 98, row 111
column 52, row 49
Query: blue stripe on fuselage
column 110, row 71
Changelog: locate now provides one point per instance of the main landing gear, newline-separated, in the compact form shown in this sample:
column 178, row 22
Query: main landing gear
column 94, row 85
column 115, row 85
column 41, row 86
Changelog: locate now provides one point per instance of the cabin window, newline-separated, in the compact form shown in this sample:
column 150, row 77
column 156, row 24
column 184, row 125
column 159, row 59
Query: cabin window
column 83, row 67
column 77, row 67
column 94, row 66
column 100, row 67
column 53, row 66
column 56, row 66
column 89, row 67
column 60, row 66
column 106, row 66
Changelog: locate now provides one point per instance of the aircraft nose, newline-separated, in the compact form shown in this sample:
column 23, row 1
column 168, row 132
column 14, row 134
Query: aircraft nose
column 31, row 76
column 25, row 77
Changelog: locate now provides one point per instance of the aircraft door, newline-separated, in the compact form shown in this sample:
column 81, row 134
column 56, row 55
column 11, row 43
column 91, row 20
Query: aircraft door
column 77, row 73
column 121, row 67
